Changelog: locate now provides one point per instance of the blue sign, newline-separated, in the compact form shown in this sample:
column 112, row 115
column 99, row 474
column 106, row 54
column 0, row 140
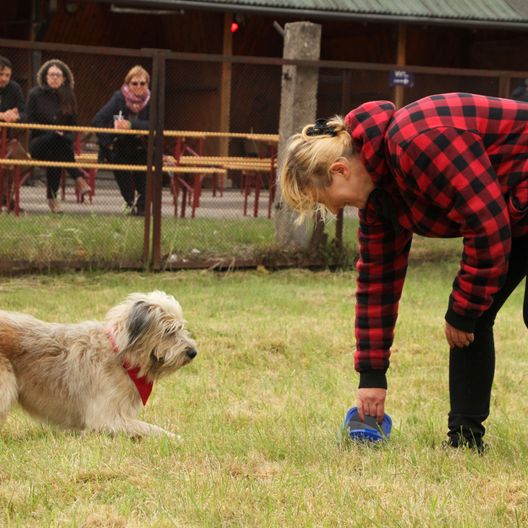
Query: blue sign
column 401, row 78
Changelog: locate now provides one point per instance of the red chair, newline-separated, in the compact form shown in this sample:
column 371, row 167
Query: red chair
column 253, row 180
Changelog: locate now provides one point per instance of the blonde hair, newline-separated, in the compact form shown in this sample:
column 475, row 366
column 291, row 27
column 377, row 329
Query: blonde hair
column 306, row 165
column 137, row 71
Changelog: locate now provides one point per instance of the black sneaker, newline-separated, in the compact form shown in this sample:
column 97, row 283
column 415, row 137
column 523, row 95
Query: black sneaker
column 131, row 210
column 479, row 447
column 134, row 211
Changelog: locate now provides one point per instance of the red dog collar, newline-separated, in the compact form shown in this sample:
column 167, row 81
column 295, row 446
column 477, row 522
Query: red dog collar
column 143, row 385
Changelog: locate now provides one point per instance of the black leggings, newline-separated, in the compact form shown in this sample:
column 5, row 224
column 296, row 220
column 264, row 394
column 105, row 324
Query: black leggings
column 471, row 369
column 130, row 182
column 51, row 146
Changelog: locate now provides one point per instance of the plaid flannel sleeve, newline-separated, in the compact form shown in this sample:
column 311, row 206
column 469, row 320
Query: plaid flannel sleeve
column 382, row 265
column 451, row 168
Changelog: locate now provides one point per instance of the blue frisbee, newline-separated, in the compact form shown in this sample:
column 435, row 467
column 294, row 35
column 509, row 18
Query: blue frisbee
column 369, row 430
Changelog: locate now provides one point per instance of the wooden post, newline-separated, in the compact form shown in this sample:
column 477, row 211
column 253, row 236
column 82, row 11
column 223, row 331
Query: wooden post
column 157, row 176
column 302, row 40
column 225, row 84
column 3, row 152
column 401, row 60
column 346, row 90
column 150, row 158
column 504, row 85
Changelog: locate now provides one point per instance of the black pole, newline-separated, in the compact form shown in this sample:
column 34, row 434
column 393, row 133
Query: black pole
column 339, row 229
column 157, row 187
column 150, row 157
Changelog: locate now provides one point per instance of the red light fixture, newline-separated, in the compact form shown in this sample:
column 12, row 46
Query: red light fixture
column 238, row 21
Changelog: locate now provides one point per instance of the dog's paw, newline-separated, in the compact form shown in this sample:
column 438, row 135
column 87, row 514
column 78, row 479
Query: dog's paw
column 174, row 436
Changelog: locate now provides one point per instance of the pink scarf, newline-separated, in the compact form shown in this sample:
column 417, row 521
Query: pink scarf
column 135, row 103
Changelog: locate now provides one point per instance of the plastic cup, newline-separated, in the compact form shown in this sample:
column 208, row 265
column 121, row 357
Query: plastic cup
column 117, row 118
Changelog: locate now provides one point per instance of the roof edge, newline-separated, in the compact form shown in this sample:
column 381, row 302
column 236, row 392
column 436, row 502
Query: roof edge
column 305, row 13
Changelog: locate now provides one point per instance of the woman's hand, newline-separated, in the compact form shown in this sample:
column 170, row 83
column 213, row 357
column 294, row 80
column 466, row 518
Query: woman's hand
column 458, row 338
column 10, row 116
column 371, row 402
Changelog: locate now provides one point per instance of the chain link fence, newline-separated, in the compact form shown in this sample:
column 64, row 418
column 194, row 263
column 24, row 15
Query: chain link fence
column 93, row 229
column 214, row 189
column 208, row 195
column 231, row 216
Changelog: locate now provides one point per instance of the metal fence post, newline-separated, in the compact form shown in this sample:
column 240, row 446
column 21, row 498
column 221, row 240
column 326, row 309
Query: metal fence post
column 150, row 157
column 157, row 183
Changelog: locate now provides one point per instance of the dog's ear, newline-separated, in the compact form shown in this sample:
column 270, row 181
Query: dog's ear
column 138, row 321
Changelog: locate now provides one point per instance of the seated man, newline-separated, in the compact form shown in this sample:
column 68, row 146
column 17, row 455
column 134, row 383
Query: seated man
column 12, row 109
column 521, row 92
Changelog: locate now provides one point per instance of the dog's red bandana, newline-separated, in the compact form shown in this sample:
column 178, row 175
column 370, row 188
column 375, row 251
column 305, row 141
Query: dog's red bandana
column 143, row 385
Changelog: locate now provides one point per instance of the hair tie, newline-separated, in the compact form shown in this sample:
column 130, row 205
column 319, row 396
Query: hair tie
column 321, row 128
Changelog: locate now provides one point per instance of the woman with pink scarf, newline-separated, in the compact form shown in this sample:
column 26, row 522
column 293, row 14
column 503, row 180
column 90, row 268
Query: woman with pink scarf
column 130, row 105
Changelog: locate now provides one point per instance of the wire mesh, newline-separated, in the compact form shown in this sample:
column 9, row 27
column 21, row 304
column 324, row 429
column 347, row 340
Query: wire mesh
column 233, row 217
column 219, row 118
column 48, row 226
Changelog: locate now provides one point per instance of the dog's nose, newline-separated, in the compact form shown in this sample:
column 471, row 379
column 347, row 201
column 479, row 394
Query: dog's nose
column 191, row 353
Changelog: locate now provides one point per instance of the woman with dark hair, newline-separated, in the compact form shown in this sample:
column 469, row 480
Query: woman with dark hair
column 127, row 109
column 52, row 102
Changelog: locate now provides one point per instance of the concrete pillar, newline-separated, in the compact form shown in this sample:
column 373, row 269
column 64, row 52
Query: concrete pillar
column 302, row 40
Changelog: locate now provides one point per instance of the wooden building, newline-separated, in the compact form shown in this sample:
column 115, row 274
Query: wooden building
column 479, row 46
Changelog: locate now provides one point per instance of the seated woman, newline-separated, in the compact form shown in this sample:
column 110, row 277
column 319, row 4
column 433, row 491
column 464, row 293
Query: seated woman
column 12, row 110
column 128, row 108
column 53, row 102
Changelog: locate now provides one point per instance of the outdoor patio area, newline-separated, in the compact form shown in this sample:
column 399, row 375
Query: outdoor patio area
column 108, row 201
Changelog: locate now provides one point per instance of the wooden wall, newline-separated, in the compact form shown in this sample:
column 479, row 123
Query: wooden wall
column 193, row 96
column 96, row 25
column 15, row 19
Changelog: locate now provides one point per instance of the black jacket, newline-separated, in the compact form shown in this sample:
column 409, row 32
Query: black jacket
column 11, row 97
column 105, row 119
column 44, row 107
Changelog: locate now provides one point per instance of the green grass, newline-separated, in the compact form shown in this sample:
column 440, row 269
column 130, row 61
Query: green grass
column 209, row 238
column 118, row 240
column 260, row 409
column 48, row 238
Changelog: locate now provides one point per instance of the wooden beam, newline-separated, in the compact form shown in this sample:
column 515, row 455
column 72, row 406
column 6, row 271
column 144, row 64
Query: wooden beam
column 225, row 84
column 504, row 86
column 401, row 59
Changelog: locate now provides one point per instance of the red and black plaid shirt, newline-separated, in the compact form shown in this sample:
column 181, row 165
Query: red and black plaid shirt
column 450, row 165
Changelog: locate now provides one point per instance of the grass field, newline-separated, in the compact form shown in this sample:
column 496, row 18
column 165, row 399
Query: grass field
column 260, row 408
column 118, row 240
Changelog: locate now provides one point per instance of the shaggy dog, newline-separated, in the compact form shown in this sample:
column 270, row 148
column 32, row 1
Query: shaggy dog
column 93, row 375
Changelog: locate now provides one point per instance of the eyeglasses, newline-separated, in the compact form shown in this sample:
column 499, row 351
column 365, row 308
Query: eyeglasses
column 140, row 83
column 55, row 75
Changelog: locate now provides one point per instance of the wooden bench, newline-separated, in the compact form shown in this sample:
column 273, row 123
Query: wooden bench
column 195, row 164
column 178, row 183
column 250, row 167
column 90, row 163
